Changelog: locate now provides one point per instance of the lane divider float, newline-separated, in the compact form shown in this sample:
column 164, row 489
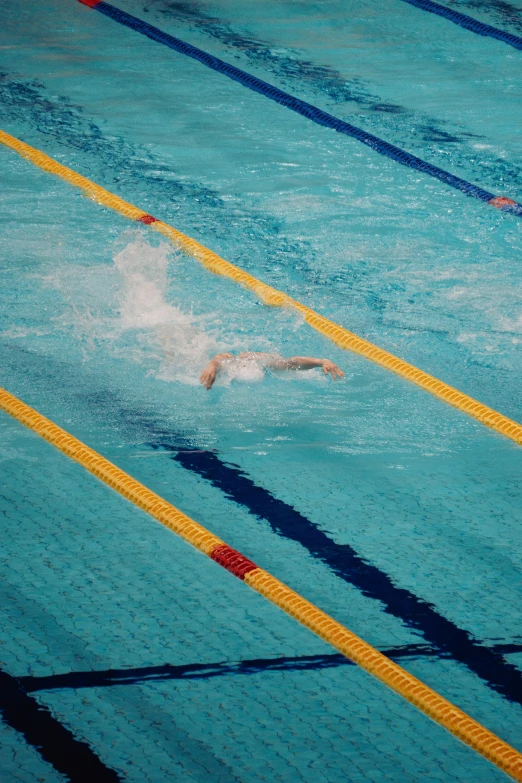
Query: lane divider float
column 468, row 22
column 303, row 108
column 271, row 296
column 338, row 636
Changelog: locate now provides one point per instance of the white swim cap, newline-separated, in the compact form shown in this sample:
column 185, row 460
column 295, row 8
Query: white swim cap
column 245, row 370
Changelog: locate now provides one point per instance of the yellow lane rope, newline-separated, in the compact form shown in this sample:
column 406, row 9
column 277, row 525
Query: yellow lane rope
column 360, row 652
column 271, row 296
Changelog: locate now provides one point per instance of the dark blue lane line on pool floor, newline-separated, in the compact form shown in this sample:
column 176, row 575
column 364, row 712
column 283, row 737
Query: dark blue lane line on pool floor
column 303, row 108
column 467, row 22
column 348, row 565
column 203, row 671
column 53, row 741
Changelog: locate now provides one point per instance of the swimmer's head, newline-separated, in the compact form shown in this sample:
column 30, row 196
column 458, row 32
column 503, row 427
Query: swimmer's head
column 247, row 372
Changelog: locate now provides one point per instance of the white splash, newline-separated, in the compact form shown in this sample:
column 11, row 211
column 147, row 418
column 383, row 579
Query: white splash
column 132, row 309
column 180, row 346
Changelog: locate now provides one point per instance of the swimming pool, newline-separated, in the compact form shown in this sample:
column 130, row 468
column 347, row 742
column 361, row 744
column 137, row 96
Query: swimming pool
column 390, row 510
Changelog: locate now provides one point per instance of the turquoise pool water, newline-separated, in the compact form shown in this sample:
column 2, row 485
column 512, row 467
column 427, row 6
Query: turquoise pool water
column 393, row 512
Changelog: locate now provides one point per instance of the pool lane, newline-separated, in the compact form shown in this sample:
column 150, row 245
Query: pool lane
column 271, row 296
column 443, row 635
column 439, row 709
column 305, row 109
column 117, row 594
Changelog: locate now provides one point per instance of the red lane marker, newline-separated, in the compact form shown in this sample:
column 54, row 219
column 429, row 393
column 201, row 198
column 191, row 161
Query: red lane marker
column 90, row 3
column 232, row 560
column 145, row 218
column 502, row 201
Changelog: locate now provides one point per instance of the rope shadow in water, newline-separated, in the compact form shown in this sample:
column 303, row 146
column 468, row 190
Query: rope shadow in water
column 205, row 671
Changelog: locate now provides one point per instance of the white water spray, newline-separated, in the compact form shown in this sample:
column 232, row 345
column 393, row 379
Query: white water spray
column 173, row 337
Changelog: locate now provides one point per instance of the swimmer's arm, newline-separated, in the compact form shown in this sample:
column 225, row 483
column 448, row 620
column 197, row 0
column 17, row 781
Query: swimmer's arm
column 208, row 376
column 307, row 363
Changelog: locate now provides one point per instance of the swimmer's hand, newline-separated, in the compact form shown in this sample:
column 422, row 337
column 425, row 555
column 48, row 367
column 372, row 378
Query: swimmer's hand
column 333, row 369
column 209, row 374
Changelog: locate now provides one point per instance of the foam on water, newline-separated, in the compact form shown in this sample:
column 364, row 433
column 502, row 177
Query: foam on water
column 137, row 309
column 124, row 306
column 176, row 339
column 180, row 342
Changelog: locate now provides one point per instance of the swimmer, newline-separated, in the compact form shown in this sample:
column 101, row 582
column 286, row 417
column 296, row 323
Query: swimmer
column 269, row 360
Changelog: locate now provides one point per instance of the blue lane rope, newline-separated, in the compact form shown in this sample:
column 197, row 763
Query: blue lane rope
column 467, row 22
column 305, row 109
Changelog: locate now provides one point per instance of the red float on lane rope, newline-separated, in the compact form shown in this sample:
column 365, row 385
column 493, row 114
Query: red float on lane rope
column 232, row 560
column 502, row 201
